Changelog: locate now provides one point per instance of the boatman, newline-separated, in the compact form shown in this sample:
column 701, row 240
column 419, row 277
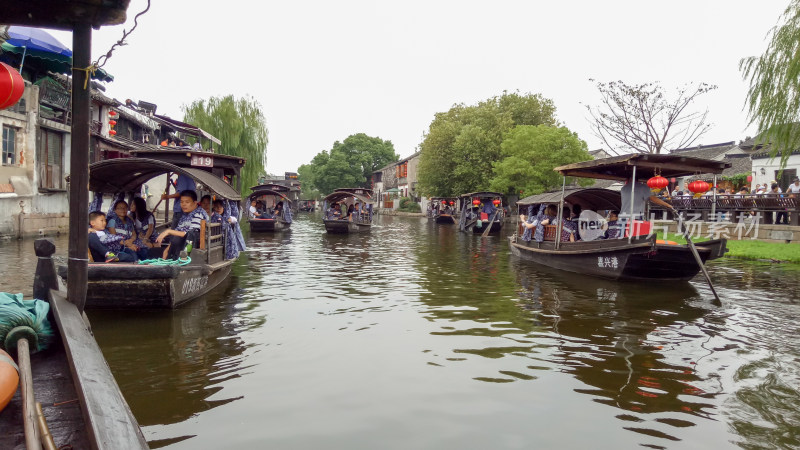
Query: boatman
column 637, row 201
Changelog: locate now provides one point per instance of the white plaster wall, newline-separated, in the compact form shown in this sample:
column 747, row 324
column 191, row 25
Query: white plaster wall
column 770, row 166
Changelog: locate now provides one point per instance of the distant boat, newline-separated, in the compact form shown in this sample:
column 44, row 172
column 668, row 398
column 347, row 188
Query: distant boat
column 480, row 210
column 443, row 210
column 272, row 194
column 338, row 220
column 632, row 256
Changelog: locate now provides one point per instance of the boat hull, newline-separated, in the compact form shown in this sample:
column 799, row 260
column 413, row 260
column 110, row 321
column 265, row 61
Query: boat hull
column 445, row 219
column 642, row 259
column 134, row 286
column 267, row 225
column 345, row 226
column 497, row 225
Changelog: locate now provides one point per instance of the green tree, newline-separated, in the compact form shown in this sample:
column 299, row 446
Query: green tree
column 240, row 125
column 461, row 144
column 529, row 154
column 349, row 163
column 773, row 97
column 305, row 174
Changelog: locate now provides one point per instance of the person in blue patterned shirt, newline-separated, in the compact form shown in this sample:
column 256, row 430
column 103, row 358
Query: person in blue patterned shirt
column 188, row 227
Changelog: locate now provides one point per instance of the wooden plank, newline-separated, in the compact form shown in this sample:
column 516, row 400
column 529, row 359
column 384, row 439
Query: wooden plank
column 109, row 421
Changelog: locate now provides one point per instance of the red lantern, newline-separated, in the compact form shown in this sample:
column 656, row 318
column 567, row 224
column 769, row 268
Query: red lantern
column 476, row 201
column 749, row 178
column 112, row 113
column 112, row 122
column 11, row 86
column 452, row 203
column 496, row 202
column 112, row 132
column 444, row 202
column 699, row 186
column 657, row 183
column 672, row 180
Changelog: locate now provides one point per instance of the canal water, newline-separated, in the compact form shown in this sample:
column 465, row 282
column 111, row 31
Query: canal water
column 417, row 336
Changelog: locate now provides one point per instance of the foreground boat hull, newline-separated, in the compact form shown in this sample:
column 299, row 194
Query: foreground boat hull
column 267, row 225
column 345, row 226
column 133, row 286
column 642, row 259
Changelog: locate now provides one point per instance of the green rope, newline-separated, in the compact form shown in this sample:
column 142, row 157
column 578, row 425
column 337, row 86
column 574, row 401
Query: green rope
column 166, row 262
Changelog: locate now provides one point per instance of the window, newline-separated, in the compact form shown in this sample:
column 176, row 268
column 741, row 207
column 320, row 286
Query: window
column 9, row 146
column 50, row 159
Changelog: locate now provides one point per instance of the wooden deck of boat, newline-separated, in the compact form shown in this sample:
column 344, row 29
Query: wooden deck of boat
column 54, row 389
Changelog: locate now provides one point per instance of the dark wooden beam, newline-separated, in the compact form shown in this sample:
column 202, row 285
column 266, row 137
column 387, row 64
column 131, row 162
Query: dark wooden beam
column 110, row 424
column 79, row 166
column 582, row 174
column 689, row 169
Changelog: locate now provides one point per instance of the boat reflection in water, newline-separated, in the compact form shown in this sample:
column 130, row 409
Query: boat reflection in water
column 625, row 342
column 187, row 355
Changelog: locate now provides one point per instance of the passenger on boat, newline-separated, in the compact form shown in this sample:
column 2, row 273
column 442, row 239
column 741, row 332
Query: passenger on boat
column 123, row 225
column 570, row 228
column 334, row 212
column 103, row 245
column 278, row 211
column 349, row 215
column 575, row 219
column 205, row 203
column 253, row 209
column 144, row 222
column 188, row 228
column 612, row 226
column 488, row 209
column 183, row 183
column 218, row 213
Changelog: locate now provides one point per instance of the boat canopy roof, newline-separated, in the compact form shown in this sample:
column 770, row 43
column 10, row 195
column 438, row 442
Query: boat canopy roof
column 364, row 192
column 590, row 198
column 482, row 194
column 270, row 187
column 263, row 191
column 647, row 165
column 126, row 174
column 340, row 195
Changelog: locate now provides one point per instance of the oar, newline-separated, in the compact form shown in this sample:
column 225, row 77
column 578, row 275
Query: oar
column 491, row 221
column 697, row 257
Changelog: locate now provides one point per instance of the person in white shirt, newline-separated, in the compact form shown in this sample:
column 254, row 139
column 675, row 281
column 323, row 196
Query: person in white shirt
column 794, row 188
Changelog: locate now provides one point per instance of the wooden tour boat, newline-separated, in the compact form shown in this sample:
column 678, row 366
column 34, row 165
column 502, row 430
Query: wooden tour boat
column 271, row 194
column 133, row 285
column 480, row 210
column 443, row 210
column 632, row 256
column 307, row 205
column 358, row 221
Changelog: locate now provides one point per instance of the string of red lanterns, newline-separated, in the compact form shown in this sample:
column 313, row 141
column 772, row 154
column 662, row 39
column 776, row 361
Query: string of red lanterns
column 112, row 122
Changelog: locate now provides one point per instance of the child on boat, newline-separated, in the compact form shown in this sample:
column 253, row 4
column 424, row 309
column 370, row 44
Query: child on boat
column 188, row 227
column 103, row 245
column 144, row 222
column 217, row 214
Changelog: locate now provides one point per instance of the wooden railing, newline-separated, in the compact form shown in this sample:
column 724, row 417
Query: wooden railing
column 766, row 204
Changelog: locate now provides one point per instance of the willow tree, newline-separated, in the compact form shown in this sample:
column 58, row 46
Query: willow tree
column 240, row 125
column 773, row 97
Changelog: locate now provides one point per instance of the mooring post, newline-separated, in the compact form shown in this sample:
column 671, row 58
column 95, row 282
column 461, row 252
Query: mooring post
column 45, row 277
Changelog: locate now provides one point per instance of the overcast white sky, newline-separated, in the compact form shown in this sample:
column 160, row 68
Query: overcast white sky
column 324, row 70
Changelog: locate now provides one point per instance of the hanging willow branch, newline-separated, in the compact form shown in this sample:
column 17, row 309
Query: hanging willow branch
column 773, row 97
column 101, row 61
